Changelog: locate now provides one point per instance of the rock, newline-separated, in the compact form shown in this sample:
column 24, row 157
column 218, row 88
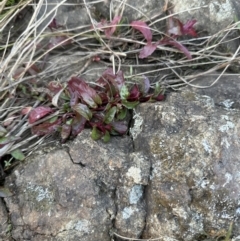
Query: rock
column 225, row 93
column 5, row 226
column 69, row 14
column 134, row 10
column 177, row 178
column 67, row 194
column 194, row 152
column 212, row 18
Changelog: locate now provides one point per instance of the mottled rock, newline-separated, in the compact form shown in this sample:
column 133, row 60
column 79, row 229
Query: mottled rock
column 5, row 226
column 56, row 199
column 133, row 10
column 194, row 152
column 212, row 18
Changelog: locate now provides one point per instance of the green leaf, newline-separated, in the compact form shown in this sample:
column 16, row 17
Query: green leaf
column 157, row 89
column 8, row 139
column 97, row 99
column 124, row 92
column 96, row 134
column 83, row 110
column 106, row 137
column 122, row 114
column 5, row 192
column 17, row 154
column 130, row 105
column 110, row 115
column 53, row 119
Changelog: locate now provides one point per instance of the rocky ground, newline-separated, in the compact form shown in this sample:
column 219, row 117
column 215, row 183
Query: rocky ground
column 173, row 177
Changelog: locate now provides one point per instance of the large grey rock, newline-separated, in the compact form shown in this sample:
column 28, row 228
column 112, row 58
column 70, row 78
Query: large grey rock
column 194, row 152
column 177, row 179
column 212, row 16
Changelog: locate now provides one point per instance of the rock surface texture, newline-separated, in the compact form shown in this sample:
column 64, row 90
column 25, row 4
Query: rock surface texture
column 176, row 177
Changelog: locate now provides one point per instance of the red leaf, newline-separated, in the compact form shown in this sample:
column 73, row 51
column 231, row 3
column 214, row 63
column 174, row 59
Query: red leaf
column 178, row 45
column 160, row 97
column 78, row 124
column 53, row 24
column 38, row 112
column 148, row 50
column 46, row 128
column 120, row 127
column 134, row 93
column 177, row 28
column 109, row 79
column 174, row 27
column 84, row 91
column 188, row 28
column 143, row 28
column 109, row 28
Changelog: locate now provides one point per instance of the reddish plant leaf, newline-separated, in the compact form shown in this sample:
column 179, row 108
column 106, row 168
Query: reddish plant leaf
column 46, row 128
column 178, row 45
column 83, row 110
column 188, row 28
column 134, row 93
column 176, row 28
column 159, row 97
column 148, row 50
column 111, row 81
column 84, row 91
column 73, row 97
column 109, row 28
column 53, row 24
column 78, row 124
column 38, row 112
column 120, row 127
column 55, row 87
column 143, row 28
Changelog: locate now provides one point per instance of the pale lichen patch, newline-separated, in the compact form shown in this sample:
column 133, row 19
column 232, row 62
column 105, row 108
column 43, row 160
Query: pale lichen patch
column 135, row 173
column 135, row 194
column 137, row 127
column 127, row 212
column 80, row 225
column 206, row 146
